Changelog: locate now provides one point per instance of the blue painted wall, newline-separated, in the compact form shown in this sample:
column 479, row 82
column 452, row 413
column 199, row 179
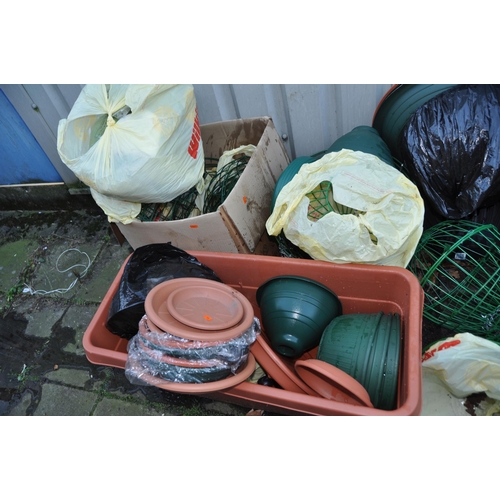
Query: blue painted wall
column 22, row 160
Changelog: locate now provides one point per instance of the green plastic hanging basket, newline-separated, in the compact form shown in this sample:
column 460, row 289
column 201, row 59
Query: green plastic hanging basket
column 458, row 266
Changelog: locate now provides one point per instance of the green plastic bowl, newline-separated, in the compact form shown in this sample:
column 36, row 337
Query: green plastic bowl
column 382, row 378
column 367, row 347
column 295, row 311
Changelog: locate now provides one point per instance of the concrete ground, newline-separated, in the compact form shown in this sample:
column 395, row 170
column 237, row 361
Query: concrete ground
column 44, row 314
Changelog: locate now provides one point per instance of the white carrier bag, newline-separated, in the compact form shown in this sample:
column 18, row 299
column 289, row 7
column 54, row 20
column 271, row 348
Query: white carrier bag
column 133, row 144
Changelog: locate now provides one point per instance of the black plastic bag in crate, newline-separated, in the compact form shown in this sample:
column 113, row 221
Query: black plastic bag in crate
column 147, row 267
column 451, row 149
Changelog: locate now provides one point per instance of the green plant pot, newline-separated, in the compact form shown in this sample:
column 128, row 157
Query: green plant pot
column 396, row 108
column 367, row 347
column 295, row 311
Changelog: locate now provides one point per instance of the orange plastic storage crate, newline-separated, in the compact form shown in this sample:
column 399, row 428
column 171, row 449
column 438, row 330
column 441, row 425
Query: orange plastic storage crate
column 361, row 288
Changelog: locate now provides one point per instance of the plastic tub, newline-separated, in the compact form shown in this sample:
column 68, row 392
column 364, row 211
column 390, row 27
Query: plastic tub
column 360, row 288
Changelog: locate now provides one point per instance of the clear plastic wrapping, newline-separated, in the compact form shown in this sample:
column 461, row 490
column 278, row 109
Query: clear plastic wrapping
column 153, row 353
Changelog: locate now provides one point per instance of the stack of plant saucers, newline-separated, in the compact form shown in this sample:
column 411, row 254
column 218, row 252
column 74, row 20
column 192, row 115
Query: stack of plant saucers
column 196, row 332
column 367, row 347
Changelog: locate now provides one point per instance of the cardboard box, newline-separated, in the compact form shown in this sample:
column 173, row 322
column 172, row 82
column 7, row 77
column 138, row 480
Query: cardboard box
column 361, row 288
column 239, row 223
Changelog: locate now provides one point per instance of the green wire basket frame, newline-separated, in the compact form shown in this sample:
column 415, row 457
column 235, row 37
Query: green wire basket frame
column 221, row 184
column 458, row 266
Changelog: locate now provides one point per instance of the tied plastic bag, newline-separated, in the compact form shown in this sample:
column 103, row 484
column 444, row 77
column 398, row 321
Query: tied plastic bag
column 451, row 148
column 466, row 364
column 133, row 144
column 377, row 215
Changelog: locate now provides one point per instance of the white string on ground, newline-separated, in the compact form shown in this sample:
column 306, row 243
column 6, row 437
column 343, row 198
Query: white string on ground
column 30, row 290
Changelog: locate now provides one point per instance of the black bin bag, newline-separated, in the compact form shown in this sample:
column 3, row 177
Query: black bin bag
column 147, row 267
column 451, row 149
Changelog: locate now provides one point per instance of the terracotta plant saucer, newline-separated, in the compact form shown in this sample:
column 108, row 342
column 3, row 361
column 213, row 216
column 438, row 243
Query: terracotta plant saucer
column 212, row 297
column 202, row 388
column 150, row 331
column 331, row 382
column 205, row 307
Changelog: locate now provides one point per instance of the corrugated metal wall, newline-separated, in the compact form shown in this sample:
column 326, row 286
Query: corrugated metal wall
column 308, row 117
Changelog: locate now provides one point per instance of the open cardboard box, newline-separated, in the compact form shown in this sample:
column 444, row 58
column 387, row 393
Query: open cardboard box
column 361, row 288
column 239, row 223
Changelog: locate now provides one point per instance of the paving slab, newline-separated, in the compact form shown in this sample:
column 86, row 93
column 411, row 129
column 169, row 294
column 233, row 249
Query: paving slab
column 77, row 318
column 21, row 409
column 83, row 225
column 40, row 319
column 95, row 285
column 118, row 407
column 70, row 377
column 62, row 267
column 14, row 258
column 59, row 400
column 225, row 408
column 19, row 225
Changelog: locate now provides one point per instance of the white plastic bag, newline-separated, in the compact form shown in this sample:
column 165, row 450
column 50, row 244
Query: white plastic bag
column 116, row 210
column 134, row 143
column 389, row 211
column 466, row 364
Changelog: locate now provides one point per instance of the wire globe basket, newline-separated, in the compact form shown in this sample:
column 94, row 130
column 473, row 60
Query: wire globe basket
column 458, row 266
column 222, row 183
column 184, row 206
